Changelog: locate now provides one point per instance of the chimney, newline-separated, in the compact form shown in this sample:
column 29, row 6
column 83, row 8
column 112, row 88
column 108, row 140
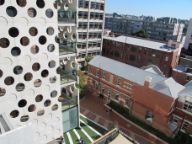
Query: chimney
column 147, row 81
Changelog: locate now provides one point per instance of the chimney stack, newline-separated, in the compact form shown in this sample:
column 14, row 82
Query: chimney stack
column 147, row 81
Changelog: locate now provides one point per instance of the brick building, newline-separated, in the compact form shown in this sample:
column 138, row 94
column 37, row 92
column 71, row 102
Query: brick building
column 183, row 72
column 139, row 52
column 154, row 99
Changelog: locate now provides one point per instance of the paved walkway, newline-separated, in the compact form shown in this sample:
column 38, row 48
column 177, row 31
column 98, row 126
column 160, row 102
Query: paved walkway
column 93, row 108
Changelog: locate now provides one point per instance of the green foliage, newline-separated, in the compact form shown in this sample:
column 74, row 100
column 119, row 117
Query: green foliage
column 182, row 138
column 141, row 34
column 82, row 83
column 125, row 112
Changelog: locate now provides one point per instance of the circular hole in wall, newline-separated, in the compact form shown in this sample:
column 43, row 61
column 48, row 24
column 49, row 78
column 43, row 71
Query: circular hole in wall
column 54, row 94
column 22, row 103
column 32, row 12
column 18, row 70
column 20, row 87
column 53, row 79
column 2, row 2
column 21, row 3
column 38, row 98
column 55, row 107
column 47, row 103
column 40, row 112
column 49, row 13
column 51, row 48
column 44, row 73
column 50, row 31
column 40, row 3
column 14, row 114
column 13, row 32
column 33, row 31
column 52, row 64
column 42, row 40
column 15, row 51
column 11, row 11
column 2, row 91
column 34, row 49
column 24, row 118
column 4, row 42
column 32, row 108
column 37, row 83
column 9, row 80
column 24, row 41
column 36, row 66
column 28, row 77
column 1, row 73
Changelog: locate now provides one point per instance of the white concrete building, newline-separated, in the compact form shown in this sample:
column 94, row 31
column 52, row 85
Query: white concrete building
column 188, row 40
column 90, row 27
column 29, row 85
column 68, row 63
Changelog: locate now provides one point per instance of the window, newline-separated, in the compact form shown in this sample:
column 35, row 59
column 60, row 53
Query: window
column 97, row 72
column 103, row 74
column 149, row 116
column 111, row 78
column 117, row 97
column 188, row 78
column 166, row 58
column 118, row 81
column 127, row 101
column 187, row 106
column 185, row 126
column 132, row 58
column 109, row 92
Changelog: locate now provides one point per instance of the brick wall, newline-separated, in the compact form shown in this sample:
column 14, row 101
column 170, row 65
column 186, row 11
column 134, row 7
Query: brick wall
column 140, row 56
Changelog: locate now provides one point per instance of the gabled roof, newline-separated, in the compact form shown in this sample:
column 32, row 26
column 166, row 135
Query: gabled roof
column 125, row 71
column 168, row 87
column 153, row 69
column 187, row 92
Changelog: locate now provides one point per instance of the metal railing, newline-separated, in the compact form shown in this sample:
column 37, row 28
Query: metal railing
column 67, row 16
column 68, row 78
column 108, row 137
column 67, row 48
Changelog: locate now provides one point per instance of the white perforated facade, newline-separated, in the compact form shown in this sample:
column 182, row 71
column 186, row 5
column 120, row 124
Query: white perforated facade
column 29, row 58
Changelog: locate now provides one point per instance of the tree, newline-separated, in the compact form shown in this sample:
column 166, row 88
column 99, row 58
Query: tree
column 141, row 33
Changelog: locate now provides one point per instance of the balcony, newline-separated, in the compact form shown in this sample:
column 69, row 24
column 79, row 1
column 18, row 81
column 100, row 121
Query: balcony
column 68, row 101
column 67, row 48
column 66, row 16
column 68, row 78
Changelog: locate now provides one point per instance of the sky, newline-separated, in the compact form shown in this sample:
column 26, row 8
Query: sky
column 157, row 8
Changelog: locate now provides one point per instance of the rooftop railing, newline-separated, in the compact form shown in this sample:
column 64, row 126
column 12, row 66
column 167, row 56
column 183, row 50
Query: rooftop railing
column 67, row 48
column 67, row 16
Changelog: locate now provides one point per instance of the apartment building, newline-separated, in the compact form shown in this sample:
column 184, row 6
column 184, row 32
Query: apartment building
column 90, row 26
column 142, row 52
column 160, row 29
column 188, row 40
column 124, row 26
column 158, row 101
column 67, row 40
column 29, row 85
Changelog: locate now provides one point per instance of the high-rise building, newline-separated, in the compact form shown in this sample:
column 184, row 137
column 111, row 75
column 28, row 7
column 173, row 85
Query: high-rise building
column 29, row 84
column 188, row 40
column 160, row 29
column 90, row 26
column 164, row 29
column 68, row 64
